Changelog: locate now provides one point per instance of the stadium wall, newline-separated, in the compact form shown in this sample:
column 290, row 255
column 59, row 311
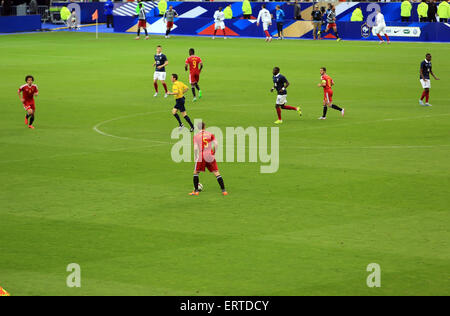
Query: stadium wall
column 196, row 19
column 26, row 23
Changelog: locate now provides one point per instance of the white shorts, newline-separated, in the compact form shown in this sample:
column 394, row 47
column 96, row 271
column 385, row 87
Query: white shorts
column 219, row 25
column 159, row 75
column 425, row 84
column 265, row 26
column 281, row 99
column 381, row 29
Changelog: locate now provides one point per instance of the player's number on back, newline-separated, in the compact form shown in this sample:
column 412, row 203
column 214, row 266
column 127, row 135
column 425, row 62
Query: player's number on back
column 194, row 64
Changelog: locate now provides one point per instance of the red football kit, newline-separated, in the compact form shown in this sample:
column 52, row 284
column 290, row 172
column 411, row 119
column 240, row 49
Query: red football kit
column 204, row 141
column 28, row 93
column 327, row 90
column 194, row 70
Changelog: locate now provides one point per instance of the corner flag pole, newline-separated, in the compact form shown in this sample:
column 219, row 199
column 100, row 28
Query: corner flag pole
column 95, row 17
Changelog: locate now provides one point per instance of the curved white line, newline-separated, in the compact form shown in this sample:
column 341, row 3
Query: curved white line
column 96, row 128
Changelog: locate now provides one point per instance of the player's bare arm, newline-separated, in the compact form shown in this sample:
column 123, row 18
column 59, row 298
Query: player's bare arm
column 431, row 72
column 200, row 67
column 196, row 152
column 421, row 74
column 20, row 97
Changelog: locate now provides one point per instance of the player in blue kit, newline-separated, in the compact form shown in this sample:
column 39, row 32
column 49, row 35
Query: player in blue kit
column 280, row 83
column 425, row 71
column 160, row 70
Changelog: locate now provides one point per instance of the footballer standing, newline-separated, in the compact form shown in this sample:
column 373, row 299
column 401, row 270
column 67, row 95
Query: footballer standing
column 160, row 70
column 425, row 71
column 204, row 149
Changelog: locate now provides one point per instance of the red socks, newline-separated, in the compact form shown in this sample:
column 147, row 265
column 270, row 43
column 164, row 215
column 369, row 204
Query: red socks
column 426, row 95
column 224, row 32
column 279, row 112
column 165, row 86
column 284, row 107
column 267, row 33
column 379, row 36
column 215, row 31
column 387, row 37
column 155, row 84
column 287, row 107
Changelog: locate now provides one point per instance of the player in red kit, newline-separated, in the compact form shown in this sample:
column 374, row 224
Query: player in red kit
column 195, row 65
column 204, row 149
column 26, row 94
column 326, row 83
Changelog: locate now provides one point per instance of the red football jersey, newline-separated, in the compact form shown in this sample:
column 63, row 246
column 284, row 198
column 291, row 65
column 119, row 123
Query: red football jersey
column 28, row 92
column 204, row 141
column 193, row 62
column 328, row 82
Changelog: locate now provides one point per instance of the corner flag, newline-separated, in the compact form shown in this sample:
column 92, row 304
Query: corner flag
column 95, row 17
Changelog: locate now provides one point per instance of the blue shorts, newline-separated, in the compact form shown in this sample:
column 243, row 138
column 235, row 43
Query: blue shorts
column 179, row 105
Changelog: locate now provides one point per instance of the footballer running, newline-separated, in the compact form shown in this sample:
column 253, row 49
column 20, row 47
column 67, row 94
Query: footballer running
column 195, row 65
column 331, row 21
column 204, row 150
column 178, row 91
column 280, row 83
column 26, row 93
column 326, row 83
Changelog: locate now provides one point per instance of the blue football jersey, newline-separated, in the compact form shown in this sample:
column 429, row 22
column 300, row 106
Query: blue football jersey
column 426, row 69
column 160, row 60
column 278, row 83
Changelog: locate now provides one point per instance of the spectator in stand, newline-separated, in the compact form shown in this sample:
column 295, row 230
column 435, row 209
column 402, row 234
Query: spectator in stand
column 109, row 7
column 443, row 11
column 33, row 7
column 6, row 4
column 406, row 10
column 228, row 12
column 357, row 15
column 317, row 21
column 432, row 10
column 279, row 18
column 162, row 7
column 297, row 11
column 324, row 20
column 246, row 9
column 422, row 11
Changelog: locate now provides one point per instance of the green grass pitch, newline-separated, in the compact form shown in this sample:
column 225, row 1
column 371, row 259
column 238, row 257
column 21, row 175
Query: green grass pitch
column 370, row 187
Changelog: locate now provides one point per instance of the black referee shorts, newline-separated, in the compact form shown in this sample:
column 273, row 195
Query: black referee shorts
column 179, row 105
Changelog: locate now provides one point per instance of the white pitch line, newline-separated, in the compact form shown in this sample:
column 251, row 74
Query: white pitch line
column 96, row 128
